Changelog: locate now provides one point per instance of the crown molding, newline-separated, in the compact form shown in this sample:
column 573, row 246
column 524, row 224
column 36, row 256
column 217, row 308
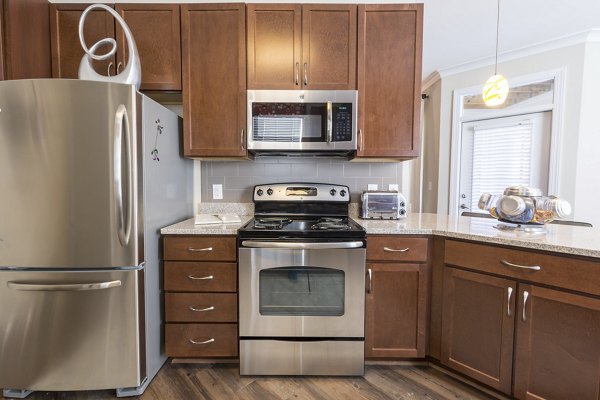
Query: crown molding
column 587, row 36
column 430, row 80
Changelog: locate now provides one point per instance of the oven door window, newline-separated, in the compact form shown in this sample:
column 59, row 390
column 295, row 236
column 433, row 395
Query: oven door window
column 289, row 122
column 301, row 291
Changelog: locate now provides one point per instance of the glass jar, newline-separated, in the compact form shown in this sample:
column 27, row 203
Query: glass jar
column 549, row 208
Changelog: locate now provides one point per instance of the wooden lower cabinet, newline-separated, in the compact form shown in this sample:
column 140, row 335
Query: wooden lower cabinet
column 478, row 325
column 396, row 310
column 557, row 345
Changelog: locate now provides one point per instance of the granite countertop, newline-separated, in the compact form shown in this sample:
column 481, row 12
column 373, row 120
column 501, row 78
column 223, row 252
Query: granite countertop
column 576, row 240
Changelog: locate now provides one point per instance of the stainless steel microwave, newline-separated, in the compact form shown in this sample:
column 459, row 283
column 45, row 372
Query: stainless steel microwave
column 302, row 121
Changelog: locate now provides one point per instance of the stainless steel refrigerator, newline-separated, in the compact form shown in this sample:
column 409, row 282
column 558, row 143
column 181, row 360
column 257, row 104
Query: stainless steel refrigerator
column 89, row 172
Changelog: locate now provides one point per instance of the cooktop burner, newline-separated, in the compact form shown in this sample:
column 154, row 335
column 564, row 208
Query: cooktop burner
column 332, row 224
column 273, row 223
column 302, row 226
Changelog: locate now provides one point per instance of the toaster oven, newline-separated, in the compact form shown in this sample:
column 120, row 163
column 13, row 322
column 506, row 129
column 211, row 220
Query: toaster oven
column 377, row 204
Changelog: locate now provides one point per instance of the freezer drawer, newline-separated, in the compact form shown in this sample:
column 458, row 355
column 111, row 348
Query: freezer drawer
column 75, row 330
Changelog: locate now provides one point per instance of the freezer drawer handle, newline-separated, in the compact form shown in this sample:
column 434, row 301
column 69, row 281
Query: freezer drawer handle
column 192, row 308
column 64, row 287
column 302, row 245
column 195, row 278
column 204, row 249
column 397, row 250
column 192, row 341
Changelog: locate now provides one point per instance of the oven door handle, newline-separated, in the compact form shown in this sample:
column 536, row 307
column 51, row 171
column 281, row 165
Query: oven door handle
column 302, row 245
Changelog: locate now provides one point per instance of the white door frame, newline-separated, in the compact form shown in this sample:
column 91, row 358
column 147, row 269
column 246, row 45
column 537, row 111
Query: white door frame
column 556, row 106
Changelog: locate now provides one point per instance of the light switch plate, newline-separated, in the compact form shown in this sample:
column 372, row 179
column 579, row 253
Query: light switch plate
column 372, row 186
column 217, row 191
column 393, row 186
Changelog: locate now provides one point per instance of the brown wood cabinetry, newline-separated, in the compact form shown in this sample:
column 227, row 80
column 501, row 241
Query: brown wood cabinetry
column 397, row 298
column 214, row 79
column 556, row 348
column 389, row 80
column 200, row 280
column 155, row 29
column 24, row 39
column 293, row 46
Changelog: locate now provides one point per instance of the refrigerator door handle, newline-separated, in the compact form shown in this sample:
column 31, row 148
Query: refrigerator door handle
column 123, row 225
column 66, row 287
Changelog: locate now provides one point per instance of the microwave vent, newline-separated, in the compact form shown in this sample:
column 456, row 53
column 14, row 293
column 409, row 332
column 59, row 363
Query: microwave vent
column 277, row 129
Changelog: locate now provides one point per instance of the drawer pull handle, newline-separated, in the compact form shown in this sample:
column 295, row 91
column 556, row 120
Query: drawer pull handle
column 204, row 249
column 196, row 278
column 510, row 290
column 192, row 308
column 525, row 296
column 192, row 341
column 529, row 267
column 396, row 250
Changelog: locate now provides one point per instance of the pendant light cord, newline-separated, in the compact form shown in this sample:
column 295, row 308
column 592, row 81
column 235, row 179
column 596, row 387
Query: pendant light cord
column 497, row 34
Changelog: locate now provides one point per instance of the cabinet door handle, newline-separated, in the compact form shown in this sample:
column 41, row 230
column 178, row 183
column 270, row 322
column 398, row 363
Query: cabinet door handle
column 200, row 278
column 525, row 296
column 192, row 341
column 110, row 64
column 397, row 250
column 297, row 72
column 204, row 249
column 242, row 139
column 510, row 290
column 529, row 267
column 306, row 73
column 192, row 308
column 360, row 139
column 370, row 273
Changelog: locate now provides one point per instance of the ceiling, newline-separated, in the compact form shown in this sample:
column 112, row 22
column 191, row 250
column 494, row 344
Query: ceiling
column 460, row 31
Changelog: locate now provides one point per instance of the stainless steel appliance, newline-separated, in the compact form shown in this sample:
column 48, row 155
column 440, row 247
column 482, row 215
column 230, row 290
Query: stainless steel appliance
column 375, row 204
column 288, row 122
column 301, row 283
column 90, row 171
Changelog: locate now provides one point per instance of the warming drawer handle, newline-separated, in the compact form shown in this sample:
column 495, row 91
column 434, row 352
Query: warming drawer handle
column 529, row 267
column 200, row 278
column 204, row 249
column 64, row 287
column 396, row 250
column 192, row 308
column 192, row 341
column 302, row 245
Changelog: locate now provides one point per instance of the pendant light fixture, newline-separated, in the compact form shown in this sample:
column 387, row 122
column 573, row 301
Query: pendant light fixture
column 495, row 90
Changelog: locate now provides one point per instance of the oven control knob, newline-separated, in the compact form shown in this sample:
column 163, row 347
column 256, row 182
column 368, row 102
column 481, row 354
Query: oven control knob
column 259, row 192
column 332, row 192
column 343, row 193
column 269, row 191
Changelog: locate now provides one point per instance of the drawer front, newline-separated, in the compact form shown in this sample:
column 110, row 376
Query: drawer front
column 201, row 307
column 396, row 248
column 200, row 248
column 211, row 340
column 565, row 272
column 200, row 277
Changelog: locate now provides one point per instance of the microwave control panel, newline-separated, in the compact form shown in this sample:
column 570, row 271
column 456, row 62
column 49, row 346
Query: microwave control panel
column 342, row 122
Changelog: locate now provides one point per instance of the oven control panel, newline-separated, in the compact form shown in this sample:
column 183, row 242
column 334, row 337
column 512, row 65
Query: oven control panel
column 295, row 192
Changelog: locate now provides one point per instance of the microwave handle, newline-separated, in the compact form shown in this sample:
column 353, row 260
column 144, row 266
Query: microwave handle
column 329, row 122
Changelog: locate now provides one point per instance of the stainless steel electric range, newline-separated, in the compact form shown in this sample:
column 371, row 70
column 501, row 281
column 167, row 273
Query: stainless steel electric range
column 301, row 283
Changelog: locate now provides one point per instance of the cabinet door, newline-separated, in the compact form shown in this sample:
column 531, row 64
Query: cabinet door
column 156, row 31
column 329, row 46
column 64, row 34
column 24, row 31
column 214, row 79
column 478, row 326
column 274, row 46
column 558, row 345
column 389, row 80
column 396, row 310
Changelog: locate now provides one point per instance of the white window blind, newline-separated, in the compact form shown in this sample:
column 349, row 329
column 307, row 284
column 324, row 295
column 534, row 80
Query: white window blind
column 501, row 158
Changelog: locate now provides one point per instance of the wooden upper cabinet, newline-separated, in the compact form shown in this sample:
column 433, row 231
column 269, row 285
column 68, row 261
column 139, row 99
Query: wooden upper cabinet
column 25, row 39
column 66, row 49
column 214, row 79
column 478, row 325
column 390, row 43
column 557, row 345
column 293, row 46
column 156, row 31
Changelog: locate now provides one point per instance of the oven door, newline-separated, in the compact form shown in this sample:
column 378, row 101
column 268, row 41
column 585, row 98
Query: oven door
column 301, row 289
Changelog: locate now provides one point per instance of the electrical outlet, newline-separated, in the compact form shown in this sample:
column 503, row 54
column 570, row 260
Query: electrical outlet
column 372, row 186
column 217, row 191
column 393, row 186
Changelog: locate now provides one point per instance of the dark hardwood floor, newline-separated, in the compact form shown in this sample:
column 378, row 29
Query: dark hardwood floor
column 223, row 382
